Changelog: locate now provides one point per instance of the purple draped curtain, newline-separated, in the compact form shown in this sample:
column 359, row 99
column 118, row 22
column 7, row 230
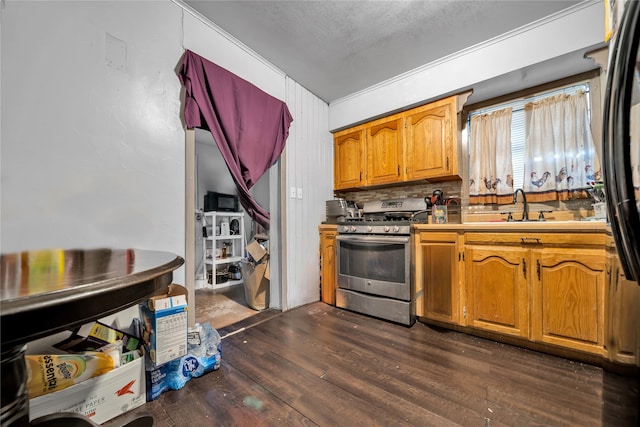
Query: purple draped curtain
column 249, row 126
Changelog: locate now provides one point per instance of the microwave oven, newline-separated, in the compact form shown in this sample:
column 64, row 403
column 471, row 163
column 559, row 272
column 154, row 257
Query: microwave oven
column 220, row 202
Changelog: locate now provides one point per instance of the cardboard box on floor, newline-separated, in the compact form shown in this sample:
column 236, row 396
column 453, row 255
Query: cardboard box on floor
column 164, row 326
column 100, row 398
column 256, row 250
column 256, row 274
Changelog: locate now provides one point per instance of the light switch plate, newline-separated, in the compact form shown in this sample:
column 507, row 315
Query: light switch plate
column 292, row 192
column 299, row 193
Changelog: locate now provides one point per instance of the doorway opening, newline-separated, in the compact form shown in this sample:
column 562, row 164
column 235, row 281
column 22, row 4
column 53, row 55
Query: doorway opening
column 206, row 170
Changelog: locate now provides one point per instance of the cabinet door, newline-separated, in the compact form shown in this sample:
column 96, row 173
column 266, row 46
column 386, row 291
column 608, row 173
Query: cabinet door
column 568, row 298
column 349, row 159
column 623, row 337
column 384, row 151
column 328, row 272
column 437, row 283
column 431, row 142
column 497, row 294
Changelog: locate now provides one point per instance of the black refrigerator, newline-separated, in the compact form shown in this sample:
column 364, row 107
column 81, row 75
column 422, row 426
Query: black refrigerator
column 621, row 139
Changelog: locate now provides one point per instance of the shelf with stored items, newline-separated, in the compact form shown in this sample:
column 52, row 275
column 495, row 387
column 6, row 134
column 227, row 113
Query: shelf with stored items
column 223, row 247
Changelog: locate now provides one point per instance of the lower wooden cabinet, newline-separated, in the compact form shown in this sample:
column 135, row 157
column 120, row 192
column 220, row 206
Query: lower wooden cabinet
column 437, row 276
column 568, row 298
column 328, row 266
column 543, row 288
column 561, row 292
column 497, row 289
column 623, row 332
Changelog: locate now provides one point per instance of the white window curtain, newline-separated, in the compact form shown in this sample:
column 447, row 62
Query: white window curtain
column 490, row 167
column 561, row 161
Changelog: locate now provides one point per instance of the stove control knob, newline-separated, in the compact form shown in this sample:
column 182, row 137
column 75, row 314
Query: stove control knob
column 345, row 228
column 353, row 228
column 369, row 229
column 386, row 228
column 396, row 228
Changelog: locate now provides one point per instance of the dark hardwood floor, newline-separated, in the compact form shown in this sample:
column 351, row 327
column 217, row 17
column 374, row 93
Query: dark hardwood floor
column 319, row 365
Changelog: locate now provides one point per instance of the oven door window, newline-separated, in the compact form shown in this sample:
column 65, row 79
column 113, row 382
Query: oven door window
column 376, row 259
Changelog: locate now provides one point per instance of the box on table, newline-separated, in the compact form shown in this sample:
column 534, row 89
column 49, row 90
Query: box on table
column 100, row 398
column 164, row 326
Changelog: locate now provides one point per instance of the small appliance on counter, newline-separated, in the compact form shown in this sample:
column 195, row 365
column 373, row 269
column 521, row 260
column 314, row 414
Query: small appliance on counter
column 339, row 209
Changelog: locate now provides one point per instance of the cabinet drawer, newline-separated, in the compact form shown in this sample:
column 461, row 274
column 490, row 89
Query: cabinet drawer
column 547, row 239
column 430, row 236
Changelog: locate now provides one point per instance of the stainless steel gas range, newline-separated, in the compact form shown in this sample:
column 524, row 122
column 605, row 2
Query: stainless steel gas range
column 374, row 260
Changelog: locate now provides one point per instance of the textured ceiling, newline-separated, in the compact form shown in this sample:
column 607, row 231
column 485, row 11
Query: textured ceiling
column 336, row 48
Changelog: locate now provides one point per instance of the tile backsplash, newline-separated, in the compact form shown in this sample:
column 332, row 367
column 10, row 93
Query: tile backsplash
column 422, row 189
column 579, row 208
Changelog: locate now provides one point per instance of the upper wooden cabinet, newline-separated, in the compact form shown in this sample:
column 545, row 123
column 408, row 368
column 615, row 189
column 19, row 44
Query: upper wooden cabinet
column 417, row 144
column 431, row 138
column 349, row 160
column 384, row 151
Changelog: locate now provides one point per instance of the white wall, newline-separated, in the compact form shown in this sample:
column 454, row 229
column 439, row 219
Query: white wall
column 309, row 169
column 562, row 34
column 212, row 43
column 92, row 155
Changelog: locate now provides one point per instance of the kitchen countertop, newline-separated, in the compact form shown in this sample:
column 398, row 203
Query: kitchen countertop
column 573, row 226
column 519, row 226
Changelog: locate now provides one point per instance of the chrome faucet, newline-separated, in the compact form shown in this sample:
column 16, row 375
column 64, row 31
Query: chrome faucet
column 525, row 206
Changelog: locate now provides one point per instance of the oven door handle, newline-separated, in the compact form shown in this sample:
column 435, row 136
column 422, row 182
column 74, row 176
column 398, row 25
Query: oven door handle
column 373, row 239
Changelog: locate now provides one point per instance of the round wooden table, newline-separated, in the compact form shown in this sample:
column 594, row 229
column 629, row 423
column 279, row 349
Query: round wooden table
column 43, row 292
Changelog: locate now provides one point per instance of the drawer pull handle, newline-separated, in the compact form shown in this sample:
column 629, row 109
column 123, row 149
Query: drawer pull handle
column 524, row 268
column 530, row 240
